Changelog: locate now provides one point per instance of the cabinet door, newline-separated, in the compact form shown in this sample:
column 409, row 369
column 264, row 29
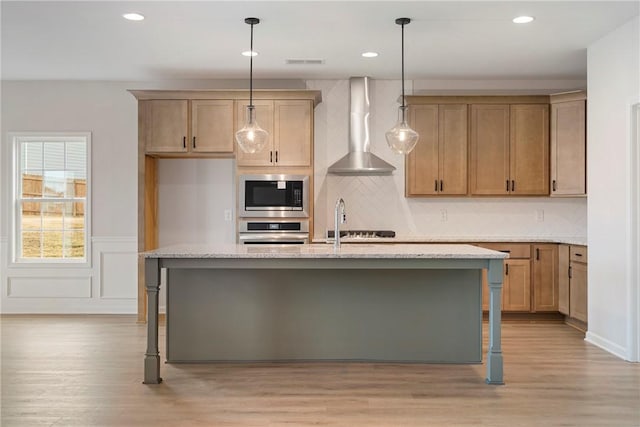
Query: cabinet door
column 212, row 126
column 264, row 117
column 166, row 125
column 545, row 278
column 529, row 149
column 293, row 134
column 422, row 162
column 578, row 291
column 516, row 294
column 452, row 138
column 489, row 157
column 568, row 148
column 563, row 279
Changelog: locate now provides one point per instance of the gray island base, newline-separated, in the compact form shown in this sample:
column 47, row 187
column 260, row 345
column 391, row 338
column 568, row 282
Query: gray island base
column 384, row 303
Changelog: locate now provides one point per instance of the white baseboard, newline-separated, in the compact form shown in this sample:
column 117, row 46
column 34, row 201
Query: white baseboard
column 605, row 344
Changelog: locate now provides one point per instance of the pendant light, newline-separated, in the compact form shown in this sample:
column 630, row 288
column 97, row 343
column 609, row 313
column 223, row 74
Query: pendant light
column 401, row 138
column 251, row 138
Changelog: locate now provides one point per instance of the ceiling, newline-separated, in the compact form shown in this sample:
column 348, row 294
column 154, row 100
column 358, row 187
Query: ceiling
column 89, row 40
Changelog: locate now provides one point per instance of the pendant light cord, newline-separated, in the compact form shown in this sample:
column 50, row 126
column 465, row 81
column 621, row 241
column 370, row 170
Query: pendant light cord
column 251, row 71
column 402, row 62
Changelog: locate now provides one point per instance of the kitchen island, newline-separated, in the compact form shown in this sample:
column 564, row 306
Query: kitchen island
column 395, row 303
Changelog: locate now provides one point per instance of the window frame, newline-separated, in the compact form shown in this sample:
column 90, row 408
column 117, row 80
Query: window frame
column 16, row 139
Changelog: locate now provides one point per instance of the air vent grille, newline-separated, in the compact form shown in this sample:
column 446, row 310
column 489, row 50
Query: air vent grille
column 304, row 61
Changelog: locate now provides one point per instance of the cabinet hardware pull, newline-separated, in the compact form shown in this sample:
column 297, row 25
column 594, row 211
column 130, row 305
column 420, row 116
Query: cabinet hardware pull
column 441, row 186
column 553, row 185
column 513, row 185
column 194, row 142
column 506, row 251
column 569, row 272
column 577, row 254
column 276, row 156
column 184, row 142
column 507, row 186
column 270, row 156
column 436, row 182
column 538, row 254
column 506, row 271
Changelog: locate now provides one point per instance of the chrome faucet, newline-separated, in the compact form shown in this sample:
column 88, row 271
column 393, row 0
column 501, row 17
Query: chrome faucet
column 340, row 218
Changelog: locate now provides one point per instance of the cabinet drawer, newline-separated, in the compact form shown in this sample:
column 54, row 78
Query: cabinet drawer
column 515, row 250
column 578, row 254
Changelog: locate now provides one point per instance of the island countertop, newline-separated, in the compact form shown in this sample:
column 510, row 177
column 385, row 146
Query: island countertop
column 320, row 250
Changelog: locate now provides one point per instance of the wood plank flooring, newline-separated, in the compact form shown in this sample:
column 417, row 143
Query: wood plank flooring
column 87, row 371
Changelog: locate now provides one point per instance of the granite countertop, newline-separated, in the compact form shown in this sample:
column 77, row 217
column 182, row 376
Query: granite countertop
column 570, row 240
column 409, row 251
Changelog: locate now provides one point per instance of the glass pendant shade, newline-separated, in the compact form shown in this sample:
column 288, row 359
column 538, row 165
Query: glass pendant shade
column 251, row 138
column 401, row 138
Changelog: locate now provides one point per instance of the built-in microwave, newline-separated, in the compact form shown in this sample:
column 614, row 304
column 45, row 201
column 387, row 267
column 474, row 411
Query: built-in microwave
column 273, row 195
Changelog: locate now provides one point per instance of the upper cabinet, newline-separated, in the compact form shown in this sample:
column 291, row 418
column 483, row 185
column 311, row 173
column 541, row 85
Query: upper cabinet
column 509, row 149
column 166, row 125
column 173, row 126
column 568, row 145
column 290, row 127
column 438, row 164
column 203, row 124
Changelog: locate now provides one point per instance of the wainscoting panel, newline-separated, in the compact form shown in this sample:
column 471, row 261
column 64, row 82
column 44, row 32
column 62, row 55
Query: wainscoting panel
column 49, row 287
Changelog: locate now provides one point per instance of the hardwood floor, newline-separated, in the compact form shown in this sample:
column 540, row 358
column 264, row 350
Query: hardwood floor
column 87, row 371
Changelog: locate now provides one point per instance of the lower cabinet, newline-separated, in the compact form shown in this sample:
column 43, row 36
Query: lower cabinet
column 572, row 261
column 545, row 277
column 516, row 277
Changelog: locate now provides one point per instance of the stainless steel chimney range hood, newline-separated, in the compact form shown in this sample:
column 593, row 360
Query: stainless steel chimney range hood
column 360, row 160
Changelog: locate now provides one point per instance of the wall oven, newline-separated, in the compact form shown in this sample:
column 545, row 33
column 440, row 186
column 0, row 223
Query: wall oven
column 273, row 196
column 280, row 232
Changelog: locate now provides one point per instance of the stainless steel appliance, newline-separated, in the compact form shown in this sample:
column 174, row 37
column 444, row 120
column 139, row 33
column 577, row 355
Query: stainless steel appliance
column 273, row 196
column 273, row 232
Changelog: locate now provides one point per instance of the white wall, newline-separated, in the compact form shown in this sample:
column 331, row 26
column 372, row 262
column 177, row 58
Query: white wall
column 378, row 202
column 109, row 112
column 613, row 88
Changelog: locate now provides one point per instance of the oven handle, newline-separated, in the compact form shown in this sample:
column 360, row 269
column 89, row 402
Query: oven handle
column 273, row 237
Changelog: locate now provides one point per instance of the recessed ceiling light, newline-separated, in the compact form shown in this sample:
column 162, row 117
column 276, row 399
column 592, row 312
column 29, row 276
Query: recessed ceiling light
column 249, row 53
column 133, row 16
column 523, row 19
column 370, row 54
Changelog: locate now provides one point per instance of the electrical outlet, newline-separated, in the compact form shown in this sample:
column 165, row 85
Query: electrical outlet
column 443, row 215
column 540, row 215
column 228, row 215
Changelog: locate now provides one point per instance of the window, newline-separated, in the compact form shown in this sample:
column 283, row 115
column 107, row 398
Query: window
column 51, row 197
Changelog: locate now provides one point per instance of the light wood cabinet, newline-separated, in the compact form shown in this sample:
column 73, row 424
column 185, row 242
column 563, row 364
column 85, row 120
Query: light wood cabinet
column 568, row 147
column 212, row 126
column 438, row 164
column 290, row 127
column 166, row 125
column 563, row 279
column 516, row 277
column 529, row 149
column 578, row 291
column 509, row 149
column 175, row 126
column 545, row 277
column 489, row 150
column 572, row 279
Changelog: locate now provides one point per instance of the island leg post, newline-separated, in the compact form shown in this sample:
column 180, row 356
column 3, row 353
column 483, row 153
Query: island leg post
column 494, row 355
column 152, row 355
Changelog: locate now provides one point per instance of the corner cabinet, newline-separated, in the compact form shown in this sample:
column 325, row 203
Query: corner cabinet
column 438, row 164
column 174, row 126
column 509, row 149
column 290, row 127
column 568, row 145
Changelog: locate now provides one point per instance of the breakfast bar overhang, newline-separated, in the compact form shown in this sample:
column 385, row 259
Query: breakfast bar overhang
column 402, row 303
